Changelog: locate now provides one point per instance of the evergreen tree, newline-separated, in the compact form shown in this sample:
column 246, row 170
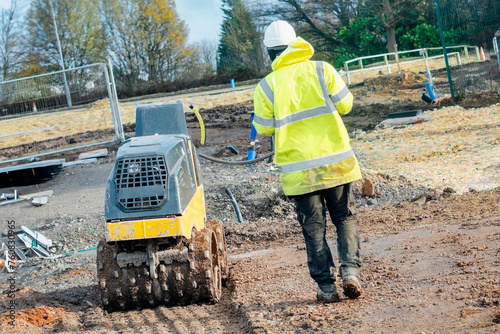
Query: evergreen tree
column 240, row 48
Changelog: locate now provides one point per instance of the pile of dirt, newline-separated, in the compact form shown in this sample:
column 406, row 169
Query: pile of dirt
column 259, row 193
column 393, row 81
column 34, row 312
column 39, row 316
column 230, row 116
column 280, row 222
column 474, row 100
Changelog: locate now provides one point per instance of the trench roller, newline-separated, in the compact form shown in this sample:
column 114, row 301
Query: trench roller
column 159, row 249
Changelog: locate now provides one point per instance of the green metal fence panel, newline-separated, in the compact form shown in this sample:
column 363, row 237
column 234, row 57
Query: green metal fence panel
column 476, row 23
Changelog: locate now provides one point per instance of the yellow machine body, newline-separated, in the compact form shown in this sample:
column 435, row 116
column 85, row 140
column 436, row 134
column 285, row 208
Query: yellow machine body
column 194, row 216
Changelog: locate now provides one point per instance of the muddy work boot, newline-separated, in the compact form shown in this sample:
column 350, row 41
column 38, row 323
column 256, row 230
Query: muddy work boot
column 328, row 297
column 352, row 288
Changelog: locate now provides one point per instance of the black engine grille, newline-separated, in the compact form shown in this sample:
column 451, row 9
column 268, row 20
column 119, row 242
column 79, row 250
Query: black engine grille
column 141, row 182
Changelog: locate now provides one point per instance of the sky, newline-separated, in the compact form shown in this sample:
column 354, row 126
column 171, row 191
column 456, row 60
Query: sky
column 4, row 4
column 203, row 17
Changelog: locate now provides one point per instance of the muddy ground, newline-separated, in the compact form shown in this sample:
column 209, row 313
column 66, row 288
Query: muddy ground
column 431, row 258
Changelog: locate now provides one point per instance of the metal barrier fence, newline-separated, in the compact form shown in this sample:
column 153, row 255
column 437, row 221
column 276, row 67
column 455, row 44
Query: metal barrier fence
column 411, row 60
column 56, row 112
column 475, row 22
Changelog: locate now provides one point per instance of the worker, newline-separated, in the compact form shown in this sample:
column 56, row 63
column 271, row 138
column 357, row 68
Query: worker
column 300, row 103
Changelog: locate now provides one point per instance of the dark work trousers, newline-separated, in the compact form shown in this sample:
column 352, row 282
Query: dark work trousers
column 311, row 213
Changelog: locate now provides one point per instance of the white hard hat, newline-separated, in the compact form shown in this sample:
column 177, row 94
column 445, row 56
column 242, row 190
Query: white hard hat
column 279, row 33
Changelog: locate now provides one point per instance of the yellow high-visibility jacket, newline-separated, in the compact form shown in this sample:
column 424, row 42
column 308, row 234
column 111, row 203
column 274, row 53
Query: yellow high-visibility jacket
column 299, row 103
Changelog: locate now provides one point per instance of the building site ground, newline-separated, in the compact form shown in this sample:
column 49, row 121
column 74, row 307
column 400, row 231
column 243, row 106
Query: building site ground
column 430, row 233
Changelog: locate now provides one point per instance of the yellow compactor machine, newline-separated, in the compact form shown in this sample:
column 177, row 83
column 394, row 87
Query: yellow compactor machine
column 159, row 248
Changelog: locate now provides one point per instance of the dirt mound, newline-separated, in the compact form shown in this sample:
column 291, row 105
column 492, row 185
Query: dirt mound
column 39, row 316
column 260, row 196
column 385, row 83
column 280, row 223
column 233, row 115
column 474, row 100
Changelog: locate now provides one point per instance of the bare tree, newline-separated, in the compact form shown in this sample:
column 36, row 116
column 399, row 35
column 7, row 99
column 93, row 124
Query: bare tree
column 319, row 21
column 146, row 39
column 9, row 40
column 208, row 52
column 78, row 28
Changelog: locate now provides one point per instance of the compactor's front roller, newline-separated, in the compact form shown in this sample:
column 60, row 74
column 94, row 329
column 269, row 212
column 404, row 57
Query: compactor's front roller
column 159, row 248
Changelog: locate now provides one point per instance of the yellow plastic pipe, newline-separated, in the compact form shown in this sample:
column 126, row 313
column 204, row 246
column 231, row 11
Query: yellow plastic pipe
column 202, row 125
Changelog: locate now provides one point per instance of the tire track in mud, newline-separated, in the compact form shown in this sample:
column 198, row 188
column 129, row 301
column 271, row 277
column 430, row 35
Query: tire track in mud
column 217, row 318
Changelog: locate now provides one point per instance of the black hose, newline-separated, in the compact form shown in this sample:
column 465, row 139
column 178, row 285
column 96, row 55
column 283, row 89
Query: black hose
column 242, row 162
column 235, row 206
column 272, row 149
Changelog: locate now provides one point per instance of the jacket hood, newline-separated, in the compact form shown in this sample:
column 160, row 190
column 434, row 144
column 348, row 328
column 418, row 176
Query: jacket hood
column 298, row 51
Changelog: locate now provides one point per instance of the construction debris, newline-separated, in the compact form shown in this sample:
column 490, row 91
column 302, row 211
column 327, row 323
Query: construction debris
column 47, row 193
column 87, row 158
column 5, row 196
column 94, row 154
column 39, row 201
column 80, row 162
column 28, row 243
column 9, row 198
column 401, row 121
column 36, row 242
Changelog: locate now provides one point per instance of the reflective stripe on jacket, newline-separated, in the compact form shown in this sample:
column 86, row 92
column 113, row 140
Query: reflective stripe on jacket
column 300, row 102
